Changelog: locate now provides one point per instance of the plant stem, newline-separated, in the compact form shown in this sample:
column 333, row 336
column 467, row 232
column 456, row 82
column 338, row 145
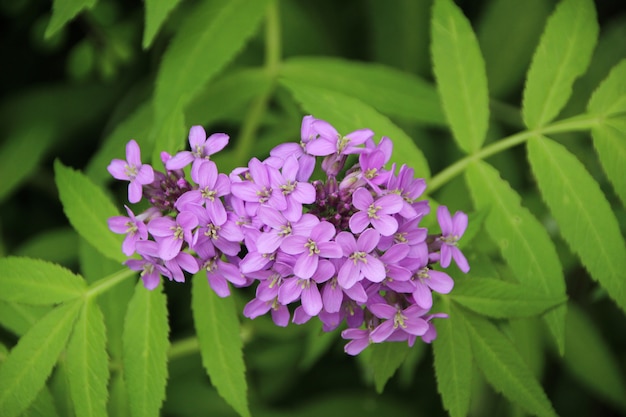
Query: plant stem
column 259, row 105
column 109, row 282
column 577, row 123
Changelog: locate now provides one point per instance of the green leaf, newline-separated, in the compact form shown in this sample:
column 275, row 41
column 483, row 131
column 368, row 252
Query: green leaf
column 453, row 361
column 214, row 32
column 460, row 73
column 504, row 368
column 33, row 281
column 318, row 342
column 63, row 11
column 18, row 318
column 592, row 362
column 24, row 372
column 523, row 241
column 156, row 14
column 88, row 208
column 57, row 245
column 220, row 342
column 563, row 54
column 385, row 359
column 21, row 153
column 88, row 363
column 146, row 342
column 610, row 144
column 585, row 218
column 610, row 97
column 390, row 91
column 331, row 106
column 500, row 299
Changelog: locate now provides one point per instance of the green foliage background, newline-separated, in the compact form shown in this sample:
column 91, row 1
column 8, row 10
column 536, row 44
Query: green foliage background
column 514, row 112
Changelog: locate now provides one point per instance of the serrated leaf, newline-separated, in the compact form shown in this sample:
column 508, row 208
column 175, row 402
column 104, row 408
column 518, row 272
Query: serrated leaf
column 88, row 208
column 331, row 106
column 453, row 361
column 24, row 372
column 88, row 363
column 63, row 11
column 500, row 299
column 610, row 144
column 21, row 153
column 18, row 318
column 563, row 54
column 214, row 32
column 460, row 73
column 592, row 362
column 220, row 342
column 610, row 97
column 156, row 14
column 504, row 368
column 145, row 346
column 33, row 281
column 585, row 218
column 388, row 90
column 385, row 359
column 523, row 241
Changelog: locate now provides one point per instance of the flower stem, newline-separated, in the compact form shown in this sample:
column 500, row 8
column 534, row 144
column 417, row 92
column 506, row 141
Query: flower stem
column 259, row 105
column 576, row 123
column 108, row 282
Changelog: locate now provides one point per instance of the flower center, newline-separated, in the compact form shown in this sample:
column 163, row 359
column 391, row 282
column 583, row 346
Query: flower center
column 212, row 231
column 178, row 232
column 131, row 227
column 398, row 320
column 358, row 257
column 312, row 247
column 131, row 170
column 289, row 187
column 372, row 211
column 208, row 194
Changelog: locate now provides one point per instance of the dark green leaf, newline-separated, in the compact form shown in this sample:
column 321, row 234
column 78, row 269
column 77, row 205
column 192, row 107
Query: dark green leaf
column 54, row 245
column 88, row 363
column 156, row 14
column 146, row 342
column 88, row 208
column 460, row 73
column 24, row 372
column 523, row 241
column 385, row 359
column 610, row 97
column 33, row 281
column 586, row 220
column 453, row 361
column 331, row 106
column 65, row 10
column 391, row 92
column 610, row 143
column 501, row 299
column 504, row 368
column 220, row 341
column 563, row 54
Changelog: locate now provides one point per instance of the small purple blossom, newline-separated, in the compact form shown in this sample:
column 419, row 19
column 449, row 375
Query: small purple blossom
column 134, row 228
column 132, row 170
column 378, row 213
column 201, row 149
column 311, row 249
column 452, row 228
column 360, row 263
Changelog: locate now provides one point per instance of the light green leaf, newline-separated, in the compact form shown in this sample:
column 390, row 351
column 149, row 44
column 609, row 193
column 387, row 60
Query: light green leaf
column 88, row 208
column 523, row 241
column 501, row 299
column 118, row 401
column 610, row 143
column 563, row 54
column 331, row 106
column 21, row 154
column 24, row 372
column 214, row 32
column 453, row 360
column 390, row 91
column 504, row 368
column 592, row 363
column 156, row 14
column 585, row 218
column 88, row 363
column 63, row 11
column 220, row 341
column 385, row 359
column 18, row 318
column 460, row 73
column 33, row 281
column 610, row 97
column 146, row 342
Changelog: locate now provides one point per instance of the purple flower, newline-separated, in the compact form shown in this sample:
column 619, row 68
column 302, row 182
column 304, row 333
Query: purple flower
column 132, row 170
column 425, row 280
column 377, row 213
column 451, row 231
column 170, row 233
column 331, row 142
column 263, row 186
column 359, row 340
column 310, row 249
column 296, row 193
column 281, row 228
column 211, row 186
column 150, row 265
column 134, row 228
column 408, row 320
column 219, row 273
column 360, row 262
column 306, row 289
column 201, row 149
column 256, row 308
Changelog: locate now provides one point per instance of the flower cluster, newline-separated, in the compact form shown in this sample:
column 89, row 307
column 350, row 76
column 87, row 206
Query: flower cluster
column 347, row 247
